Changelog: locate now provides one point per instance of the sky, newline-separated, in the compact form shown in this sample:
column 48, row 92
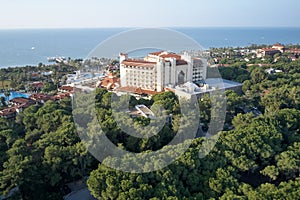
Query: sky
column 148, row 13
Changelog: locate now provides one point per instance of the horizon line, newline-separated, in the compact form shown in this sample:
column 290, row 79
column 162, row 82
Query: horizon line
column 138, row 27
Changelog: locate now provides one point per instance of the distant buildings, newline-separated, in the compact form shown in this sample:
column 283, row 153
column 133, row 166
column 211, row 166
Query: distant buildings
column 267, row 51
column 66, row 88
column 277, row 48
column 37, row 86
column 273, row 71
column 294, row 51
column 18, row 104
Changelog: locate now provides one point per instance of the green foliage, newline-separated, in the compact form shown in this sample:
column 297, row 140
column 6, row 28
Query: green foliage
column 234, row 73
column 46, row 155
column 258, row 158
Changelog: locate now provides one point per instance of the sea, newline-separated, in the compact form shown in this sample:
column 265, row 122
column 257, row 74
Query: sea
column 20, row 47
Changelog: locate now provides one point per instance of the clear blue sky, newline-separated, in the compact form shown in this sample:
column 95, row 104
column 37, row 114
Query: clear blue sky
column 148, row 13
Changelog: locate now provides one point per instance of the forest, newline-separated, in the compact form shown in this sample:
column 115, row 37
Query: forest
column 256, row 157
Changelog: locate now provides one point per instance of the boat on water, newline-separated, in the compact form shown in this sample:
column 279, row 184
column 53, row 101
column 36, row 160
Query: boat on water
column 56, row 59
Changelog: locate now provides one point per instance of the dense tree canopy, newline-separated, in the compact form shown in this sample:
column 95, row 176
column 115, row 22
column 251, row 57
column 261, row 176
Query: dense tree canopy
column 44, row 155
column 257, row 155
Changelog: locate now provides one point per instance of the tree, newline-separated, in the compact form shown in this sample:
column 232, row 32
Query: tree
column 242, row 120
column 2, row 78
column 7, row 94
column 2, row 100
column 270, row 171
column 289, row 161
column 258, row 75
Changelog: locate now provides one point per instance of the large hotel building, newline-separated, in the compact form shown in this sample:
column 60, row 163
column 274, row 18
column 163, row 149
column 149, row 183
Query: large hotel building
column 161, row 69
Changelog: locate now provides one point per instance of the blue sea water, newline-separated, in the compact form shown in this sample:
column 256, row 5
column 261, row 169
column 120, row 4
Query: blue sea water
column 30, row 47
column 15, row 95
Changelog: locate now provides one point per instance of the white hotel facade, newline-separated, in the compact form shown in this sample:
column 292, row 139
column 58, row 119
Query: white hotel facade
column 161, row 69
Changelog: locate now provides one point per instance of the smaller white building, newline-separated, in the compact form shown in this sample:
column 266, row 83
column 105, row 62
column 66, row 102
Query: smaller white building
column 189, row 89
column 143, row 111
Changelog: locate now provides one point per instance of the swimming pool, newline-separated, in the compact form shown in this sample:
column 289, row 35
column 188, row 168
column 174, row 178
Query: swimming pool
column 15, row 94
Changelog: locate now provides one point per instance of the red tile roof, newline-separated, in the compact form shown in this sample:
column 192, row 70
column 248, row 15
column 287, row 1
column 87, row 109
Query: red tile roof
column 136, row 90
column 295, row 51
column 26, row 105
column 161, row 54
column 60, row 96
column 39, row 97
column 269, row 49
column 156, row 53
column 67, row 88
column 8, row 111
column 170, row 89
column 138, row 63
column 170, row 55
column 110, row 82
column 37, row 84
column 19, row 100
column 278, row 45
column 181, row 62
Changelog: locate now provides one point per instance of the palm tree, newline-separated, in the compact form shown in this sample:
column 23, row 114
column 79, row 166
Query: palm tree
column 7, row 94
column 2, row 100
column 2, row 78
column 12, row 82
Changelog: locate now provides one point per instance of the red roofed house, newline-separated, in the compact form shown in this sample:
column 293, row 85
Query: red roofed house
column 269, row 51
column 39, row 97
column 66, row 88
column 276, row 48
column 279, row 47
column 16, row 105
column 21, row 103
column 160, row 69
column 109, row 82
column 8, row 113
column 60, row 96
column 37, row 85
column 294, row 51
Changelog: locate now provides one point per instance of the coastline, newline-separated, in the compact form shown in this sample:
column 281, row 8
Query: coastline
column 16, row 44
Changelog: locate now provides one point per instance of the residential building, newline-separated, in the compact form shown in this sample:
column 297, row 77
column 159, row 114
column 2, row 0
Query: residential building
column 279, row 47
column 8, row 113
column 60, row 96
column 20, row 103
column 110, row 82
column 66, row 88
column 190, row 89
column 40, row 97
column 37, row 86
column 267, row 51
column 141, row 111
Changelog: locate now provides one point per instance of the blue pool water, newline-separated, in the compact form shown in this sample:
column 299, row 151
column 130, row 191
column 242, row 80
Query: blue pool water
column 15, row 94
